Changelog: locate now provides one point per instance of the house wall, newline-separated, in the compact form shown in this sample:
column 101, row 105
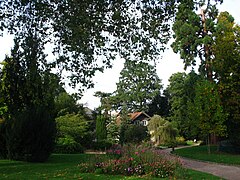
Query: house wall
column 141, row 120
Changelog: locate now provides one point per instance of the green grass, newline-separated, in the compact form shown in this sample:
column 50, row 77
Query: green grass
column 201, row 153
column 63, row 166
column 200, row 175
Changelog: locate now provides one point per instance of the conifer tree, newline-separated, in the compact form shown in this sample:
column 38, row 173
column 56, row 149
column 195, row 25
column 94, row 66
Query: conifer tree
column 28, row 95
column 101, row 131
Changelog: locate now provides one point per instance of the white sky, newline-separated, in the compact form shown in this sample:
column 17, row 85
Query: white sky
column 106, row 82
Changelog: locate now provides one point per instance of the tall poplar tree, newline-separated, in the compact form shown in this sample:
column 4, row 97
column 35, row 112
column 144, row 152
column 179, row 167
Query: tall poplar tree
column 101, row 130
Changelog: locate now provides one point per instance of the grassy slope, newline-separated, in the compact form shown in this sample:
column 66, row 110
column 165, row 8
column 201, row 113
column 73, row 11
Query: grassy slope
column 63, row 166
column 200, row 153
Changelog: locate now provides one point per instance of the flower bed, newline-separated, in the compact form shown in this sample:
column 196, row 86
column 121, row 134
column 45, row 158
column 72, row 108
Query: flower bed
column 134, row 160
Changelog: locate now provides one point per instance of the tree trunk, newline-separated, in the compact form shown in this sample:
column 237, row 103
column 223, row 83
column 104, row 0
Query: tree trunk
column 208, row 144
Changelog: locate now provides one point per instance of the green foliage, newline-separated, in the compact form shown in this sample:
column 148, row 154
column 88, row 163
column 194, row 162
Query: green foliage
column 102, row 145
column 182, row 94
column 194, row 34
column 105, row 102
column 208, row 106
column 113, row 131
column 186, row 28
column 227, row 71
column 75, row 127
column 196, row 106
column 138, row 85
column 83, row 31
column 124, row 121
column 67, row 145
column 181, row 141
column 65, row 104
column 135, row 134
column 28, row 95
column 160, row 105
column 3, row 148
column 30, row 134
column 101, row 130
column 215, row 40
column 162, row 131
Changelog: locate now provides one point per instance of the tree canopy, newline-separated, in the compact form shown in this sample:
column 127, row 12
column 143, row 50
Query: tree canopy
column 226, row 66
column 161, row 130
column 138, row 85
column 84, row 33
column 181, row 94
column 194, row 33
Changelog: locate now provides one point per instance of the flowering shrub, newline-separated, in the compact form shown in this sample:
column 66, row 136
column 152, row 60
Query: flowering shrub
column 135, row 160
column 115, row 150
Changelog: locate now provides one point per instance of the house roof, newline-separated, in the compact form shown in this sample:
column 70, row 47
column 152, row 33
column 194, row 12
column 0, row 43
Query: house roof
column 134, row 115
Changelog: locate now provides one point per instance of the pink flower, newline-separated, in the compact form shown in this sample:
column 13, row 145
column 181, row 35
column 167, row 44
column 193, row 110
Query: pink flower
column 136, row 153
column 118, row 151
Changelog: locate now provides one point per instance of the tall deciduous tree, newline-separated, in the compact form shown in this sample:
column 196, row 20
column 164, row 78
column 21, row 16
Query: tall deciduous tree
column 83, row 31
column 226, row 66
column 210, row 115
column 75, row 127
column 181, row 95
column 138, row 85
column 65, row 104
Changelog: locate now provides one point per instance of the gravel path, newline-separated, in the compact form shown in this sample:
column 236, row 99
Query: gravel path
column 223, row 171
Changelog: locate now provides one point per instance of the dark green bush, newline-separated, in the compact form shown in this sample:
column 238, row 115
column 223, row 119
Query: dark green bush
column 102, row 145
column 228, row 147
column 3, row 150
column 30, row 135
column 135, row 134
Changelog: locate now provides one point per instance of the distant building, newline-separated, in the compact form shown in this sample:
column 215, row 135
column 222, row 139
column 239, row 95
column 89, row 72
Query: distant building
column 137, row 118
column 89, row 112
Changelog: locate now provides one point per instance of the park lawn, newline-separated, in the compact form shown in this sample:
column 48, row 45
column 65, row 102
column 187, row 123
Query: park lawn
column 201, row 153
column 65, row 166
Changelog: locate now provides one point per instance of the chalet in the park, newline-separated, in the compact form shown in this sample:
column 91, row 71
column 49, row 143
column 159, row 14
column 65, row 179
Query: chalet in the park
column 138, row 118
